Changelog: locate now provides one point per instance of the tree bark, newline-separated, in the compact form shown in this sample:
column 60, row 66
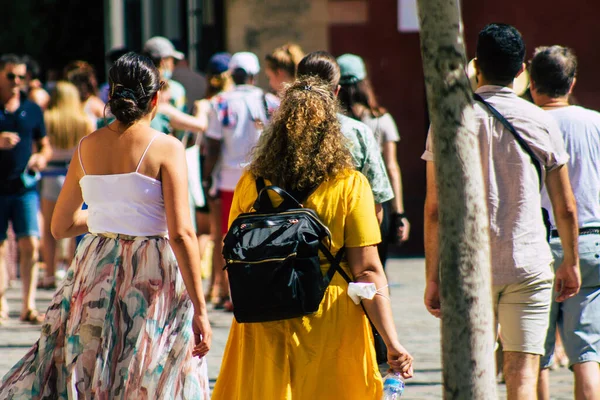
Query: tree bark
column 465, row 292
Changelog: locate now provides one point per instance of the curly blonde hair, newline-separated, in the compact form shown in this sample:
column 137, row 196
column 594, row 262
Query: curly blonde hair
column 303, row 145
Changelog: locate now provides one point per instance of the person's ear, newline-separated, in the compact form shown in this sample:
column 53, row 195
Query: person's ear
column 572, row 85
column 477, row 71
column 337, row 90
column 154, row 100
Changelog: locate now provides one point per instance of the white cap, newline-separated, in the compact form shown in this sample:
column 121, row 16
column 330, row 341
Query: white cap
column 246, row 61
column 161, row 47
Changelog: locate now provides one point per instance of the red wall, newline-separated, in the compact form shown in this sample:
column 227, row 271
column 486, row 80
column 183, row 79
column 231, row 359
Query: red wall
column 394, row 63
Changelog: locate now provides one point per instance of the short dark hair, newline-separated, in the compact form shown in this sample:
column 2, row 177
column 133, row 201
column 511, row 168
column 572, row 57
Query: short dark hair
column 553, row 70
column 240, row 76
column 322, row 65
column 500, row 53
column 133, row 81
column 11, row 59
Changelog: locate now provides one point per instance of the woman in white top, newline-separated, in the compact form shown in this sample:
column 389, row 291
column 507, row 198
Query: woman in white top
column 129, row 321
column 358, row 100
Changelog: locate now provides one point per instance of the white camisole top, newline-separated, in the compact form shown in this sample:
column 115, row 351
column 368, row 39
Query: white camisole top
column 129, row 203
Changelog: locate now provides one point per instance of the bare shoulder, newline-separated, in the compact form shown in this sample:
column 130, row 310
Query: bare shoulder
column 168, row 142
column 169, row 147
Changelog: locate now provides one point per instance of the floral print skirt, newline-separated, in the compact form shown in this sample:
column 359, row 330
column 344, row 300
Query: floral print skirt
column 118, row 327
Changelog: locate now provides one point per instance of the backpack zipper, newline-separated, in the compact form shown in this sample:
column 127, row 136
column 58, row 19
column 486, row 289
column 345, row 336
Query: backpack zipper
column 291, row 212
column 260, row 261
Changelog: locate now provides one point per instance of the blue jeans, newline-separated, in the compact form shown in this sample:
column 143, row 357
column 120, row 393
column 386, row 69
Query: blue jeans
column 578, row 318
column 22, row 211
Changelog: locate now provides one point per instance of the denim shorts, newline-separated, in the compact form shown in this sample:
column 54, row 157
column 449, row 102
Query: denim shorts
column 22, row 211
column 578, row 318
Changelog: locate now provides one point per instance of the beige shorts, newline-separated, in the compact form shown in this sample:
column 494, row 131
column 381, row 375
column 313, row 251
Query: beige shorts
column 522, row 311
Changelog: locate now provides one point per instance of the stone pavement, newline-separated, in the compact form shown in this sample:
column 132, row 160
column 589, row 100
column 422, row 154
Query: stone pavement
column 419, row 333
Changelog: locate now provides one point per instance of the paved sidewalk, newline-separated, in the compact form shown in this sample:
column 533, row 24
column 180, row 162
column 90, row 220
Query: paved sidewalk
column 419, row 332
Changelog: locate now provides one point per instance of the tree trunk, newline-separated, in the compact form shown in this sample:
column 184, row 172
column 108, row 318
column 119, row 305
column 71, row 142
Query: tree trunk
column 467, row 317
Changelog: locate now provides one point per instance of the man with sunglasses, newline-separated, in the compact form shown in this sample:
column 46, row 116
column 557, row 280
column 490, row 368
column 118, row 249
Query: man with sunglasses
column 21, row 128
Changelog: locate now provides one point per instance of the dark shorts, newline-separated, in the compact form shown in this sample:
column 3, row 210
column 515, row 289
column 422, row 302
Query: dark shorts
column 22, row 211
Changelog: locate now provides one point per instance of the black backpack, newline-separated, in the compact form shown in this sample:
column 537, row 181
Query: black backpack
column 272, row 258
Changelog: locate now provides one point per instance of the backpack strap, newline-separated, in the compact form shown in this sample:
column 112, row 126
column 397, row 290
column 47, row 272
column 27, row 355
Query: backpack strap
column 291, row 198
column 334, row 264
column 260, row 184
column 335, row 267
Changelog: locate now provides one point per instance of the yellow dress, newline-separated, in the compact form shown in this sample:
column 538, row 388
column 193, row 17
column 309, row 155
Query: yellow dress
column 327, row 355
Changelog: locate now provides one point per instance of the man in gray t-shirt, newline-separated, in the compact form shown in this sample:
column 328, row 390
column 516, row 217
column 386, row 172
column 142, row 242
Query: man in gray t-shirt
column 520, row 255
column 553, row 71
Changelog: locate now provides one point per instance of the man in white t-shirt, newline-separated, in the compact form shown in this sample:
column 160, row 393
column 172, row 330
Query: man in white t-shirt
column 520, row 256
column 553, row 71
column 235, row 122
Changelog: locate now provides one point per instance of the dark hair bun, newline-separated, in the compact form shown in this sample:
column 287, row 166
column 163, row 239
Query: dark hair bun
column 125, row 110
column 134, row 80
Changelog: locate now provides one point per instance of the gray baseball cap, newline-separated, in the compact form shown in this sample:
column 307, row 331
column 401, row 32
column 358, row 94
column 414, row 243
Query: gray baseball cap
column 161, row 47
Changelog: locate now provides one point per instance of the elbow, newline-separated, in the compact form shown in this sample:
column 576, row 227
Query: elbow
column 431, row 211
column 566, row 213
column 393, row 170
column 370, row 273
column 58, row 232
column 182, row 237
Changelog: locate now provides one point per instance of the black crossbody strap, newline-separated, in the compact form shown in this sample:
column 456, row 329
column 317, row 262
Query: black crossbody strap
column 518, row 138
column 334, row 264
column 335, row 267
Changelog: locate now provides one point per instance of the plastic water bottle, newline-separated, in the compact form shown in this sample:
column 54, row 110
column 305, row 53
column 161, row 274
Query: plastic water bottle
column 393, row 386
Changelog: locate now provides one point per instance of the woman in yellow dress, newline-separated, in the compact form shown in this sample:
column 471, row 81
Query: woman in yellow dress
column 327, row 355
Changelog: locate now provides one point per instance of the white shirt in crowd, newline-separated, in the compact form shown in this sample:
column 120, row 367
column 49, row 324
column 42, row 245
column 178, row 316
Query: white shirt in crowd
column 235, row 119
column 580, row 128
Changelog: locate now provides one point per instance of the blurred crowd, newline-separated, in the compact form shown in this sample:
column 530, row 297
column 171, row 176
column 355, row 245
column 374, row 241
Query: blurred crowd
column 200, row 109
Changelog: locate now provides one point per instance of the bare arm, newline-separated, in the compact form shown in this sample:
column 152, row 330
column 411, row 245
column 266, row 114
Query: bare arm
column 213, row 152
column 39, row 160
column 182, row 235
column 180, row 120
column 432, row 257
column 379, row 212
column 366, row 267
column 395, row 175
column 568, row 278
column 201, row 111
column 68, row 219
column 393, row 170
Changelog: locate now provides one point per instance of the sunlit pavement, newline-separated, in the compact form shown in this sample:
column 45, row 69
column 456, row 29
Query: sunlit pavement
column 418, row 331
